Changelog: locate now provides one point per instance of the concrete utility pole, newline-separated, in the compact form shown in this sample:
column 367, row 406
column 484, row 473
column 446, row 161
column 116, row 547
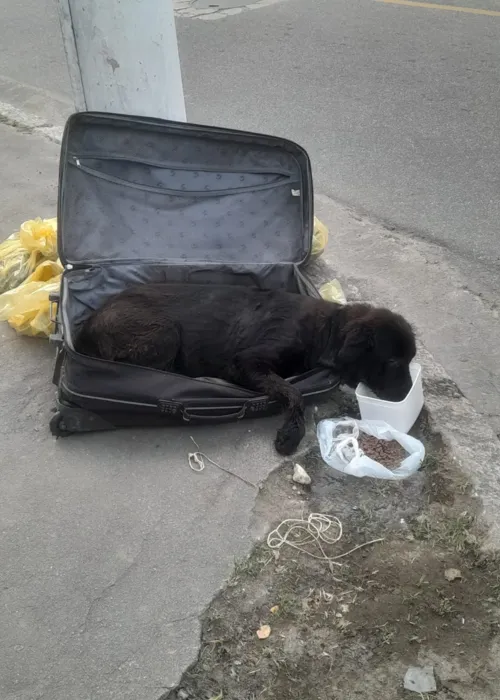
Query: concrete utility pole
column 123, row 56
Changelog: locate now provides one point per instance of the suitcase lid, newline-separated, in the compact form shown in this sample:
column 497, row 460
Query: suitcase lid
column 147, row 190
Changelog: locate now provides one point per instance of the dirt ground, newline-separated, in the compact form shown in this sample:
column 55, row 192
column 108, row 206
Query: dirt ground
column 351, row 631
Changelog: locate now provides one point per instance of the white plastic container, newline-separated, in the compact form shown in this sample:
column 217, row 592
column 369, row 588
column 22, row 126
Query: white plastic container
column 401, row 415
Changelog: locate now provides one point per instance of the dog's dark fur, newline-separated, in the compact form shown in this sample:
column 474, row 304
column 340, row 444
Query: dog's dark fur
column 255, row 339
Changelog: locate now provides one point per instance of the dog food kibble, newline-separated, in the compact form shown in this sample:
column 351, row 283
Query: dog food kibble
column 386, row 452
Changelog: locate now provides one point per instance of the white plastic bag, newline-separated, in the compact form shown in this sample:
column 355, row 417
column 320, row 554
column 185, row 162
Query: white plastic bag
column 338, row 442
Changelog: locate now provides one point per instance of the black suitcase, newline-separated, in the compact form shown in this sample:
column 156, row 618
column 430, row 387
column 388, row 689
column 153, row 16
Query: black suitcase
column 146, row 200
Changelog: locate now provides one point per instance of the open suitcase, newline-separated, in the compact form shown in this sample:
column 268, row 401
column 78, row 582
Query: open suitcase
column 145, row 200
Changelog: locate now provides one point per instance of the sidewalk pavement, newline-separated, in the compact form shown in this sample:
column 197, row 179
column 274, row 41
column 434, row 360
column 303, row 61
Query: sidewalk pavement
column 111, row 547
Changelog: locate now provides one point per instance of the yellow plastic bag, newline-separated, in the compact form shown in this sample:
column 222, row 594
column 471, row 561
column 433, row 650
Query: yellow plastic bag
column 23, row 251
column 332, row 291
column 27, row 307
column 16, row 263
column 320, row 238
column 40, row 235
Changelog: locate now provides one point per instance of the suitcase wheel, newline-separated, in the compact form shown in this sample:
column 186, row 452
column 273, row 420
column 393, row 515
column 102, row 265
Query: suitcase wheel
column 58, row 426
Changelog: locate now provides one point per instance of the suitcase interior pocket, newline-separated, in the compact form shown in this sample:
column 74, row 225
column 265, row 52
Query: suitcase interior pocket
column 178, row 182
column 126, row 210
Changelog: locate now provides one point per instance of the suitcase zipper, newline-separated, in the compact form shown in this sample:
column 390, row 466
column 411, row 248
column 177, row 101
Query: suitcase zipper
column 187, row 168
column 183, row 193
column 66, row 388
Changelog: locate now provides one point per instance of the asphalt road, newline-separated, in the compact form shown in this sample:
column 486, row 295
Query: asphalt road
column 397, row 105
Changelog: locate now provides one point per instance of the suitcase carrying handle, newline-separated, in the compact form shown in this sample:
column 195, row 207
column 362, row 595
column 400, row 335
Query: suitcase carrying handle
column 189, row 416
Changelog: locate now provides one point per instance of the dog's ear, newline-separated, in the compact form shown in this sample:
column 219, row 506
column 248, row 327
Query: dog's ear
column 358, row 339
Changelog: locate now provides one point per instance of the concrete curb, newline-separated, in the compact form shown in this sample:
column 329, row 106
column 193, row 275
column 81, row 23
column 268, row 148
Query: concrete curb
column 21, row 120
column 33, row 110
column 453, row 305
column 470, row 438
column 469, row 435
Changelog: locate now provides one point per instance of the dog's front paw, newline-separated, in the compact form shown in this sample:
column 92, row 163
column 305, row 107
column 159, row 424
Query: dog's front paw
column 288, row 439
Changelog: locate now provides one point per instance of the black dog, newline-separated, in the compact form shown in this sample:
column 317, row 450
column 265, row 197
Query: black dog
column 255, row 339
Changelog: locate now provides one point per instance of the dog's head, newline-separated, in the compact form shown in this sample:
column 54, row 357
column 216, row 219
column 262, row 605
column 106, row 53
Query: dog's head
column 377, row 349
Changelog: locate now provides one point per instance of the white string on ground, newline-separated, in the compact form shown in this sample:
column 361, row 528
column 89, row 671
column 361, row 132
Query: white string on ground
column 196, row 461
column 317, row 530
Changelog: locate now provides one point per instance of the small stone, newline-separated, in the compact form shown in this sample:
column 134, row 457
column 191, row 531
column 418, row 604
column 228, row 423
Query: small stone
column 420, row 679
column 182, row 695
column 452, row 574
column 300, row 476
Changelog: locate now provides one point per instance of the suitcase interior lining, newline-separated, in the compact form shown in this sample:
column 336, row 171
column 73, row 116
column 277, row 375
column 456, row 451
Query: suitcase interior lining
column 135, row 191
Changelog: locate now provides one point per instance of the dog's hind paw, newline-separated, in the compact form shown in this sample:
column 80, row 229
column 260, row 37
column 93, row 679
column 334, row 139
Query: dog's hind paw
column 288, row 439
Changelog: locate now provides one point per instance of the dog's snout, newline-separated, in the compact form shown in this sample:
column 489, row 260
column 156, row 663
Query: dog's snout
column 394, row 385
column 399, row 391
